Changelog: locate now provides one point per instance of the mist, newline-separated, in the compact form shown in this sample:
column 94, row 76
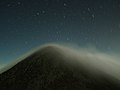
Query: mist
column 92, row 59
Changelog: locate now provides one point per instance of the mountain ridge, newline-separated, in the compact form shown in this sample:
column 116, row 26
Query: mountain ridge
column 49, row 69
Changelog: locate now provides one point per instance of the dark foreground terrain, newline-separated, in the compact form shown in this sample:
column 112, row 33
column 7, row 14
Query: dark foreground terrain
column 47, row 69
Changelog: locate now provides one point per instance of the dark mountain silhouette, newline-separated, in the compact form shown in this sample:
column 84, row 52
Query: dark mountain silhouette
column 48, row 69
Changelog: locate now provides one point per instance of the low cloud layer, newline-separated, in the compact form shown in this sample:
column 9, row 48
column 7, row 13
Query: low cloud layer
column 93, row 59
column 2, row 66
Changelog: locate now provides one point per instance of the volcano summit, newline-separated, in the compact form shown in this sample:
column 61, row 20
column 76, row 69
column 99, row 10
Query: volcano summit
column 55, row 67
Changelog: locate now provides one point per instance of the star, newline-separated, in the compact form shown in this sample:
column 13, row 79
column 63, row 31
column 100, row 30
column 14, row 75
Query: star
column 111, row 30
column 68, row 38
column 37, row 13
column 8, row 5
column 64, row 16
column 89, row 9
column 18, row 3
column 93, row 16
column 65, row 4
column 43, row 11
column 26, row 42
column 57, row 32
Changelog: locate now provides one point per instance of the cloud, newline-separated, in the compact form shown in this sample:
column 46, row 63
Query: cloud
column 2, row 66
column 94, row 60
column 90, row 58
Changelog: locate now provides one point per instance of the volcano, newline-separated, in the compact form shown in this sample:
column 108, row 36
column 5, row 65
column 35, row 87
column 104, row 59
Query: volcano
column 50, row 68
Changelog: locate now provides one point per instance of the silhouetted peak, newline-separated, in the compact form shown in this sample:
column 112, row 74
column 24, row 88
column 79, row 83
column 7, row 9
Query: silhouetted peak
column 49, row 68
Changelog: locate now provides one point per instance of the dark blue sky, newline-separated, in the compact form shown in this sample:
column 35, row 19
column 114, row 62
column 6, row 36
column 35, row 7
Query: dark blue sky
column 25, row 24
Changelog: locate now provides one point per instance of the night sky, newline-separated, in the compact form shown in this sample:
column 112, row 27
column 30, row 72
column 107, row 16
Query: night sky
column 25, row 24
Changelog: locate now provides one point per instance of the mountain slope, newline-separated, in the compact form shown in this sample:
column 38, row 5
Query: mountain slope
column 49, row 69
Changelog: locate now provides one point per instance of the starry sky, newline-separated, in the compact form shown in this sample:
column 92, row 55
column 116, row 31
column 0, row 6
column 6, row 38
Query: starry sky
column 25, row 24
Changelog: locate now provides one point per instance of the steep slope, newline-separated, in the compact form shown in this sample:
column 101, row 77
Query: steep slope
column 48, row 69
